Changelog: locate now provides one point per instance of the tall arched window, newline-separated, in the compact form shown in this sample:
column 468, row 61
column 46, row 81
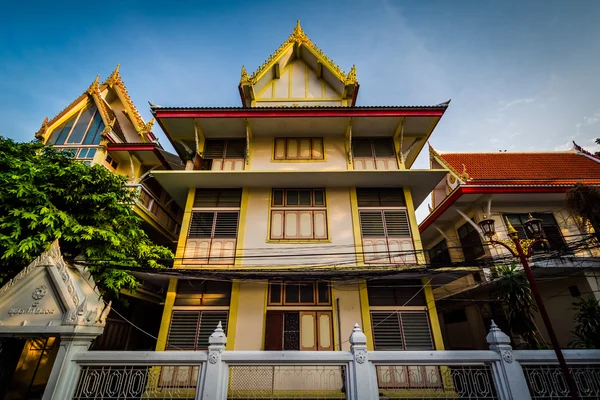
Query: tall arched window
column 82, row 128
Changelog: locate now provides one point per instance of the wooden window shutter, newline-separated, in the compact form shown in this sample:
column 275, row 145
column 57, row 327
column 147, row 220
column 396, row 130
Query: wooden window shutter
column 416, row 332
column 324, row 331
column 280, row 145
column 386, row 331
column 371, row 224
column 201, row 225
column 226, row 225
column 274, row 330
column 218, row 198
column 308, row 330
column 208, row 323
column 396, row 223
column 183, row 330
column 214, row 149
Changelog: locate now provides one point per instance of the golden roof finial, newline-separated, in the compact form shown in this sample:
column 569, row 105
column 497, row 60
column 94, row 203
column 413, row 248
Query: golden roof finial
column 298, row 34
column 114, row 76
column 245, row 77
column 510, row 229
column 148, row 126
column 40, row 134
column 464, row 176
column 351, row 78
column 95, row 85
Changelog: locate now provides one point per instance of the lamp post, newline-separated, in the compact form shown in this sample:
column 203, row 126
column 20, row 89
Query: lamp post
column 521, row 248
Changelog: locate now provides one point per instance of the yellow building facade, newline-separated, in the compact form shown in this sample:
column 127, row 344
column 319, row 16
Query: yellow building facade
column 299, row 214
column 103, row 127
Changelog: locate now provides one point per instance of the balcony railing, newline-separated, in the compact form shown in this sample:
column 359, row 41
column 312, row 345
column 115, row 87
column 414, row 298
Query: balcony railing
column 500, row 373
column 164, row 217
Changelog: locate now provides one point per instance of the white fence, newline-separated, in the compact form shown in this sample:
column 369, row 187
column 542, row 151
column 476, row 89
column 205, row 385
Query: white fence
column 498, row 373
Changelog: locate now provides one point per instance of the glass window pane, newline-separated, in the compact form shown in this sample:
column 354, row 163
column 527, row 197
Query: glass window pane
column 291, row 331
column 319, row 198
column 292, row 198
column 81, row 126
column 307, row 292
column 278, row 197
column 304, row 197
column 60, row 134
column 275, row 296
column 361, row 148
column 384, row 147
column 323, row 289
column 291, row 293
column 93, row 135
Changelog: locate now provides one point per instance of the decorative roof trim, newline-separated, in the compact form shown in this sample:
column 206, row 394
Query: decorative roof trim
column 433, row 154
column 299, row 37
column 115, row 82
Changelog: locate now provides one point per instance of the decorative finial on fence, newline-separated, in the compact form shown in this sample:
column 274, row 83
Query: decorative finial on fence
column 218, row 337
column 358, row 337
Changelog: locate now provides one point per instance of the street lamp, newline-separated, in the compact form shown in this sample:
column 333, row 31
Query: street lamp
column 521, row 248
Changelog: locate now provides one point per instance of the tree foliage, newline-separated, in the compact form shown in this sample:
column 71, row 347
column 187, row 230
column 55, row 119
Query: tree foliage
column 46, row 195
column 513, row 290
column 584, row 201
column 587, row 331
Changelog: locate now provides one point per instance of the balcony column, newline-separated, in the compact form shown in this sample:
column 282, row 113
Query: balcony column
column 216, row 375
column 362, row 375
column 509, row 377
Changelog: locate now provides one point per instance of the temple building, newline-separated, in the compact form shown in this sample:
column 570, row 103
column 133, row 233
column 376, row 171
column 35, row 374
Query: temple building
column 303, row 205
column 103, row 126
column 509, row 187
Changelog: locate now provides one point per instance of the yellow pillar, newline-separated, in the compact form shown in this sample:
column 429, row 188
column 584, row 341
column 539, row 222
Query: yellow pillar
column 161, row 343
column 414, row 226
column 436, row 330
column 233, row 314
column 185, row 227
column 366, row 315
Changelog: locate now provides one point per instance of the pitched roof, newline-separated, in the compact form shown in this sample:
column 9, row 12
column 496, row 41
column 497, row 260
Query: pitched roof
column 567, row 167
column 299, row 37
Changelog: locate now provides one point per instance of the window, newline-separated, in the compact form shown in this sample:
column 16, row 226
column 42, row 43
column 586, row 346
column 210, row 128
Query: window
column 384, row 226
column 298, row 330
column 298, row 214
column 299, row 293
column 298, row 149
column 218, row 198
column 439, row 254
column 212, row 235
column 202, row 293
column 396, row 293
column 84, row 127
column 190, row 330
column 470, row 242
column 224, row 154
column 86, row 153
column 551, row 229
column 112, row 162
column 401, row 330
column 374, row 153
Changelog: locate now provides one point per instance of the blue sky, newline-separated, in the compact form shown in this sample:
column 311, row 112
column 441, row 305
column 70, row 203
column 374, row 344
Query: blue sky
column 522, row 75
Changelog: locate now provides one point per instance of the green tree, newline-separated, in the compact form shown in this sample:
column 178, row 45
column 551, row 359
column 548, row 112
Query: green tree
column 514, row 292
column 587, row 331
column 46, row 195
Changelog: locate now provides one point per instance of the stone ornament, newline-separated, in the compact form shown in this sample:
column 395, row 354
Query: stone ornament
column 507, row 356
column 40, row 292
column 360, row 356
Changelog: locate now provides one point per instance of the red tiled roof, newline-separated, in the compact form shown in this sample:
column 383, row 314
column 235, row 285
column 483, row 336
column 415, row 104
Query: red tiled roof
column 525, row 168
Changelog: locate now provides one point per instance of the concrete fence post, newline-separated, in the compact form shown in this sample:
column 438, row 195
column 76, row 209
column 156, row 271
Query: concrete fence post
column 508, row 374
column 214, row 384
column 362, row 375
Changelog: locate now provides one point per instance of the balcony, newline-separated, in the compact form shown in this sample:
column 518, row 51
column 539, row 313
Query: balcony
column 501, row 373
column 158, row 212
